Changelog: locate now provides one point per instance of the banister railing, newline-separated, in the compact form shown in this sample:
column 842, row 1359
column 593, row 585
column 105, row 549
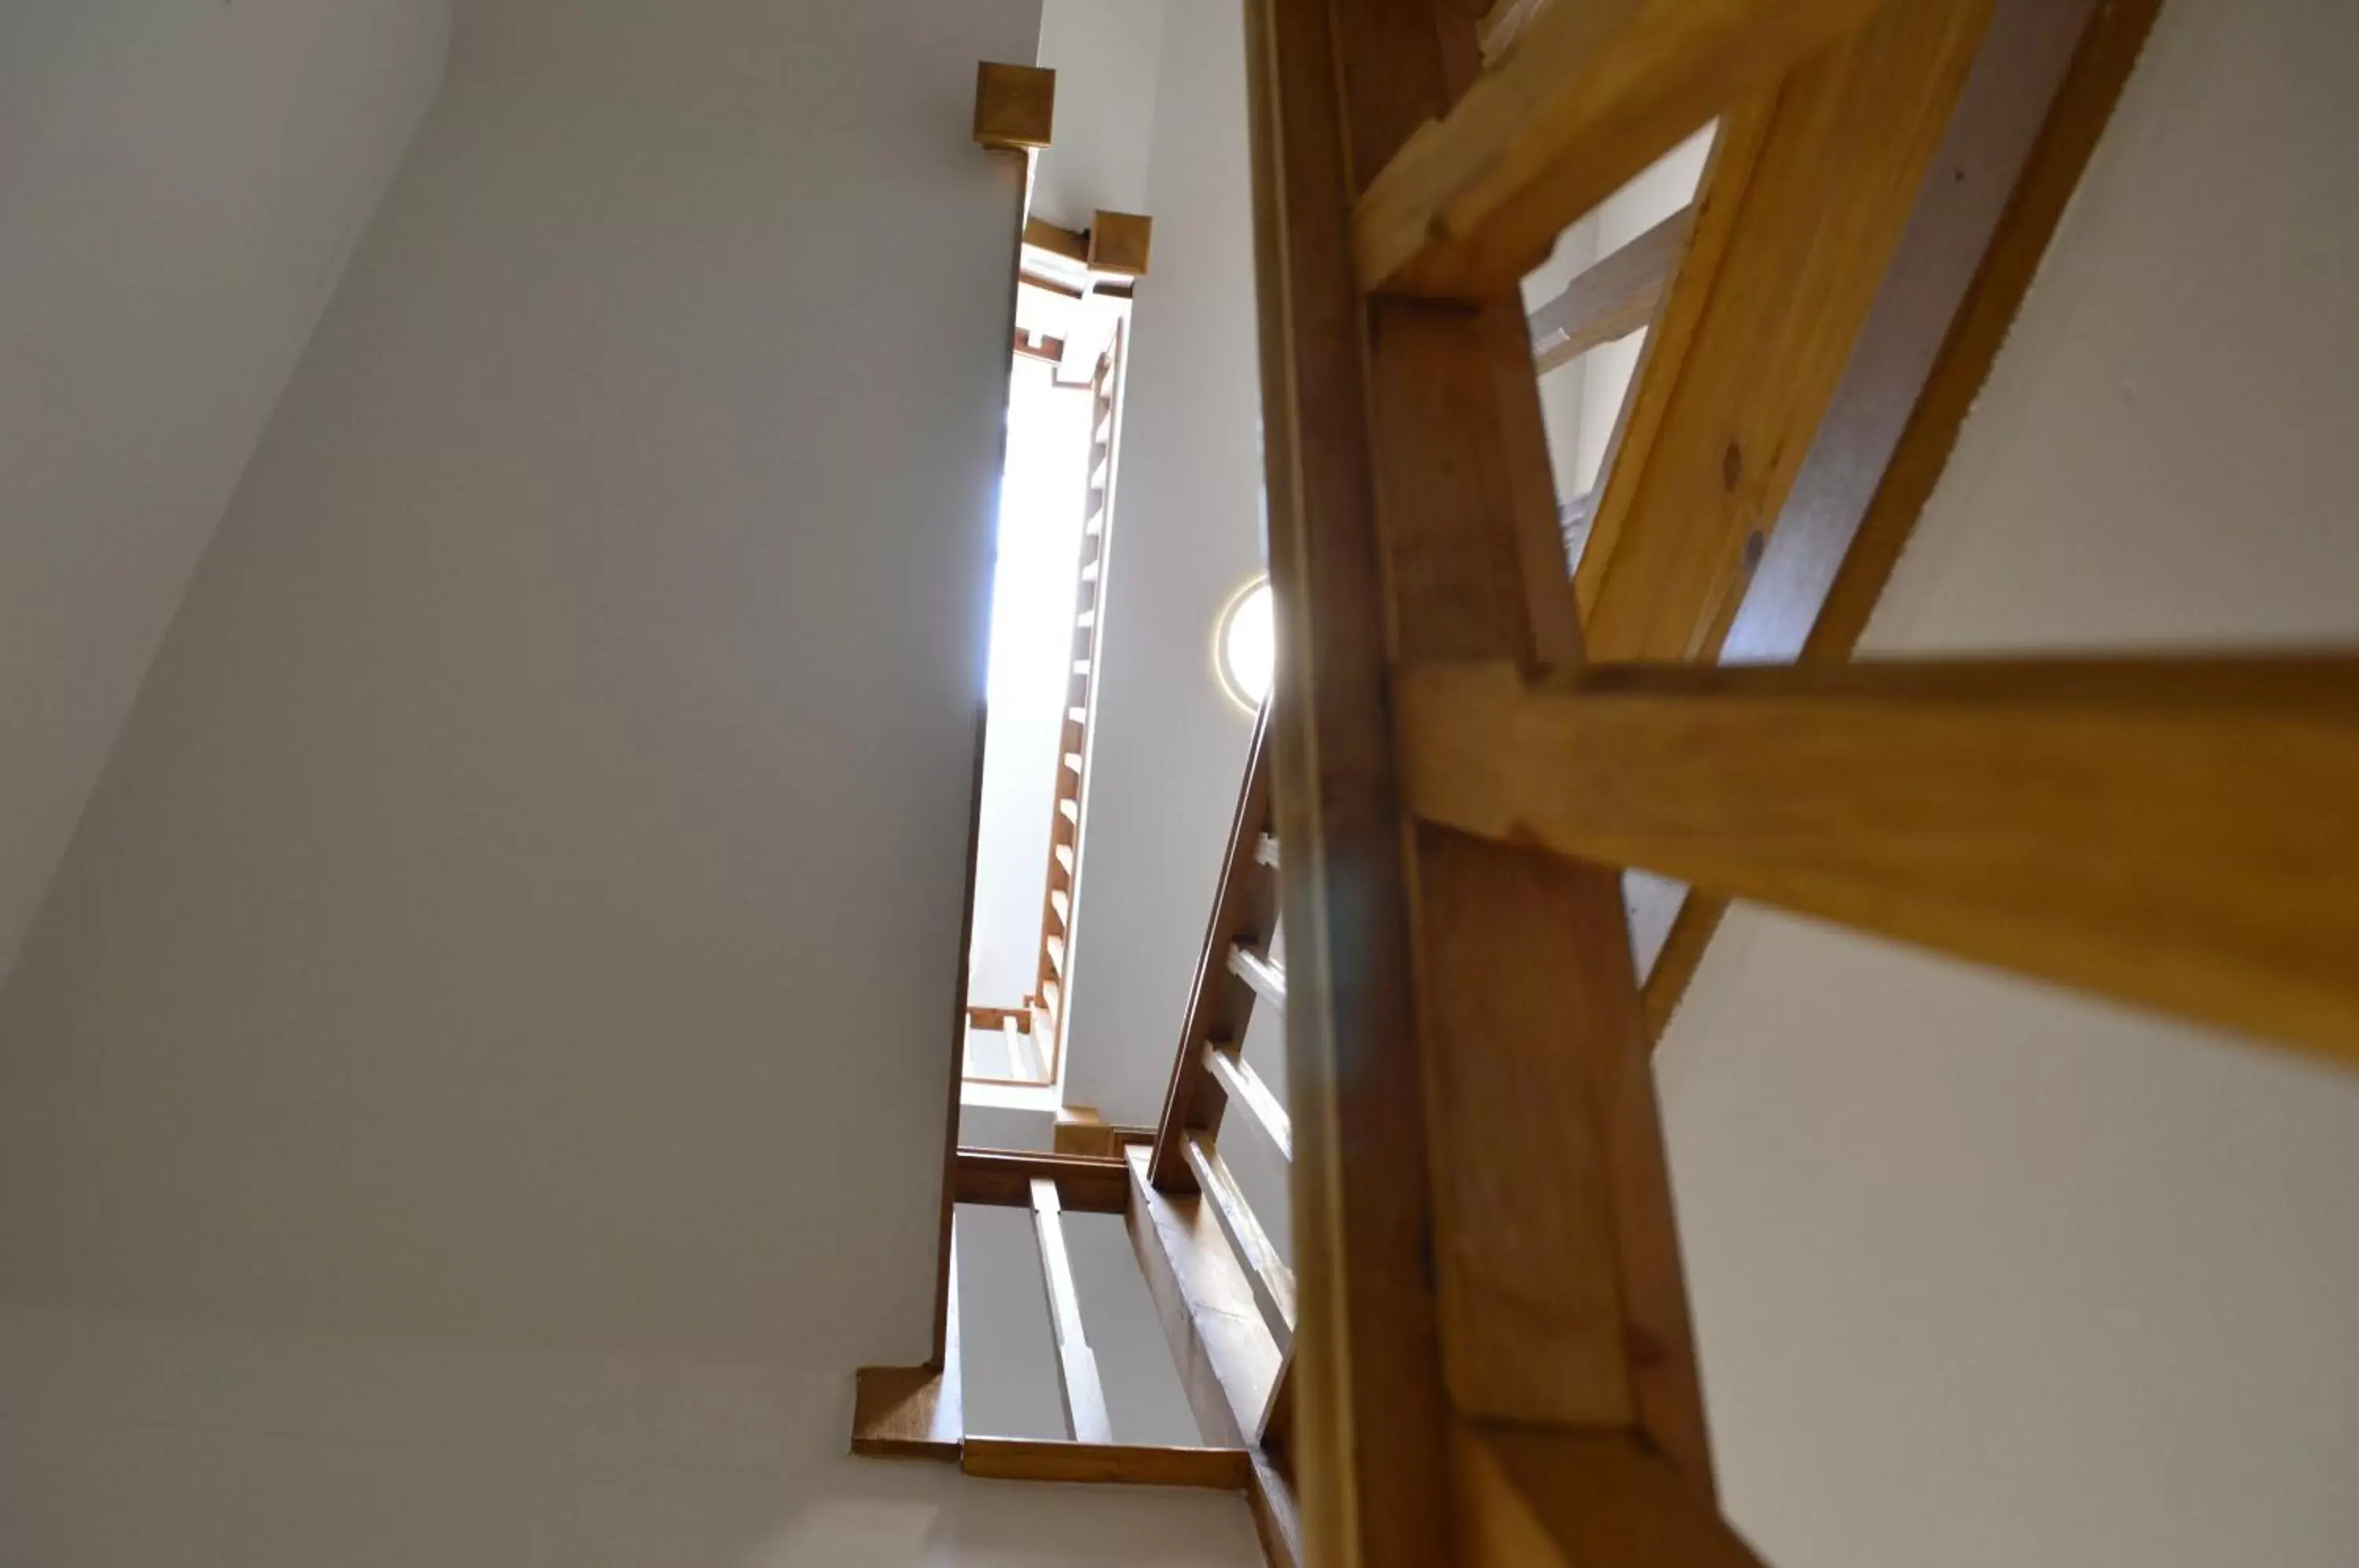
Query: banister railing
column 1232, row 971
column 1486, row 1356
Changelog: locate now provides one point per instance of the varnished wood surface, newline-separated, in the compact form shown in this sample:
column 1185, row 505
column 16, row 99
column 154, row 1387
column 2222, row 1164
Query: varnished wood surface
column 1819, row 541
column 1591, row 94
column 1266, row 1271
column 1793, row 261
column 1003, row 1178
column 1015, row 105
column 1122, row 1463
column 2171, row 832
column 1373, row 1484
column 1226, row 1358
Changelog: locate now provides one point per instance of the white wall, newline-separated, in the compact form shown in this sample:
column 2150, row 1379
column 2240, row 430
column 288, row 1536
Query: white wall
column 1106, row 55
column 1985, row 1273
column 1168, row 754
column 527, row 884
column 129, row 1444
column 179, row 186
column 441, row 1099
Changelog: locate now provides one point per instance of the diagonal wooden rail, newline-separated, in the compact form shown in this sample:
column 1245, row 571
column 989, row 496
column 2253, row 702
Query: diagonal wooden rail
column 1484, row 1354
column 1232, row 971
column 2174, row 832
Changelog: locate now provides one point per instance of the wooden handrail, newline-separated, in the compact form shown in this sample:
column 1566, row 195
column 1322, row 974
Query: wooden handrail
column 1612, row 299
column 1245, row 912
column 1243, row 1087
column 1272, row 1281
column 1591, row 95
column 1806, row 200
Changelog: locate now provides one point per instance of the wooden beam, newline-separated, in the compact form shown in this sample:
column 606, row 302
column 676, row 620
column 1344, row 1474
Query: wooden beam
column 1266, row 979
column 1242, row 1086
column 1120, row 243
column 1276, row 1431
column 1219, row 1004
column 1591, row 95
column 1554, row 1252
column 1272, row 1281
column 1485, row 1218
column 914, row 1412
column 1610, row 300
column 1369, row 1405
column 2170, row 831
column 1073, row 244
column 1853, row 552
column 1077, row 1364
column 1122, row 1463
column 1807, row 197
column 1276, row 1520
column 1571, row 1499
column 1003, row 1178
column 1225, row 1360
column 1015, row 105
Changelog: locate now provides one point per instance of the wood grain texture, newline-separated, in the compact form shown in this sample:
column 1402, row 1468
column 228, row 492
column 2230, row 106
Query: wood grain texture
column 1612, row 298
column 1003, row 1178
column 1566, row 1304
column 2176, row 833
column 1540, row 1499
column 1071, row 244
column 1121, row 243
column 1792, row 235
column 1592, row 95
column 1368, row 1400
column 1121, row 1463
column 2041, row 90
column 914, row 1412
column 1015, row 105
column 1266, row 1271
column 1224, row 1357
column 1531, row 1287
column 1077, row 1366
column 904, row 1413
column 1413, row 519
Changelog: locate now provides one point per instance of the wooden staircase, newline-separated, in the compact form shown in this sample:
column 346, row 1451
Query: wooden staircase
column 1483, row 1352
